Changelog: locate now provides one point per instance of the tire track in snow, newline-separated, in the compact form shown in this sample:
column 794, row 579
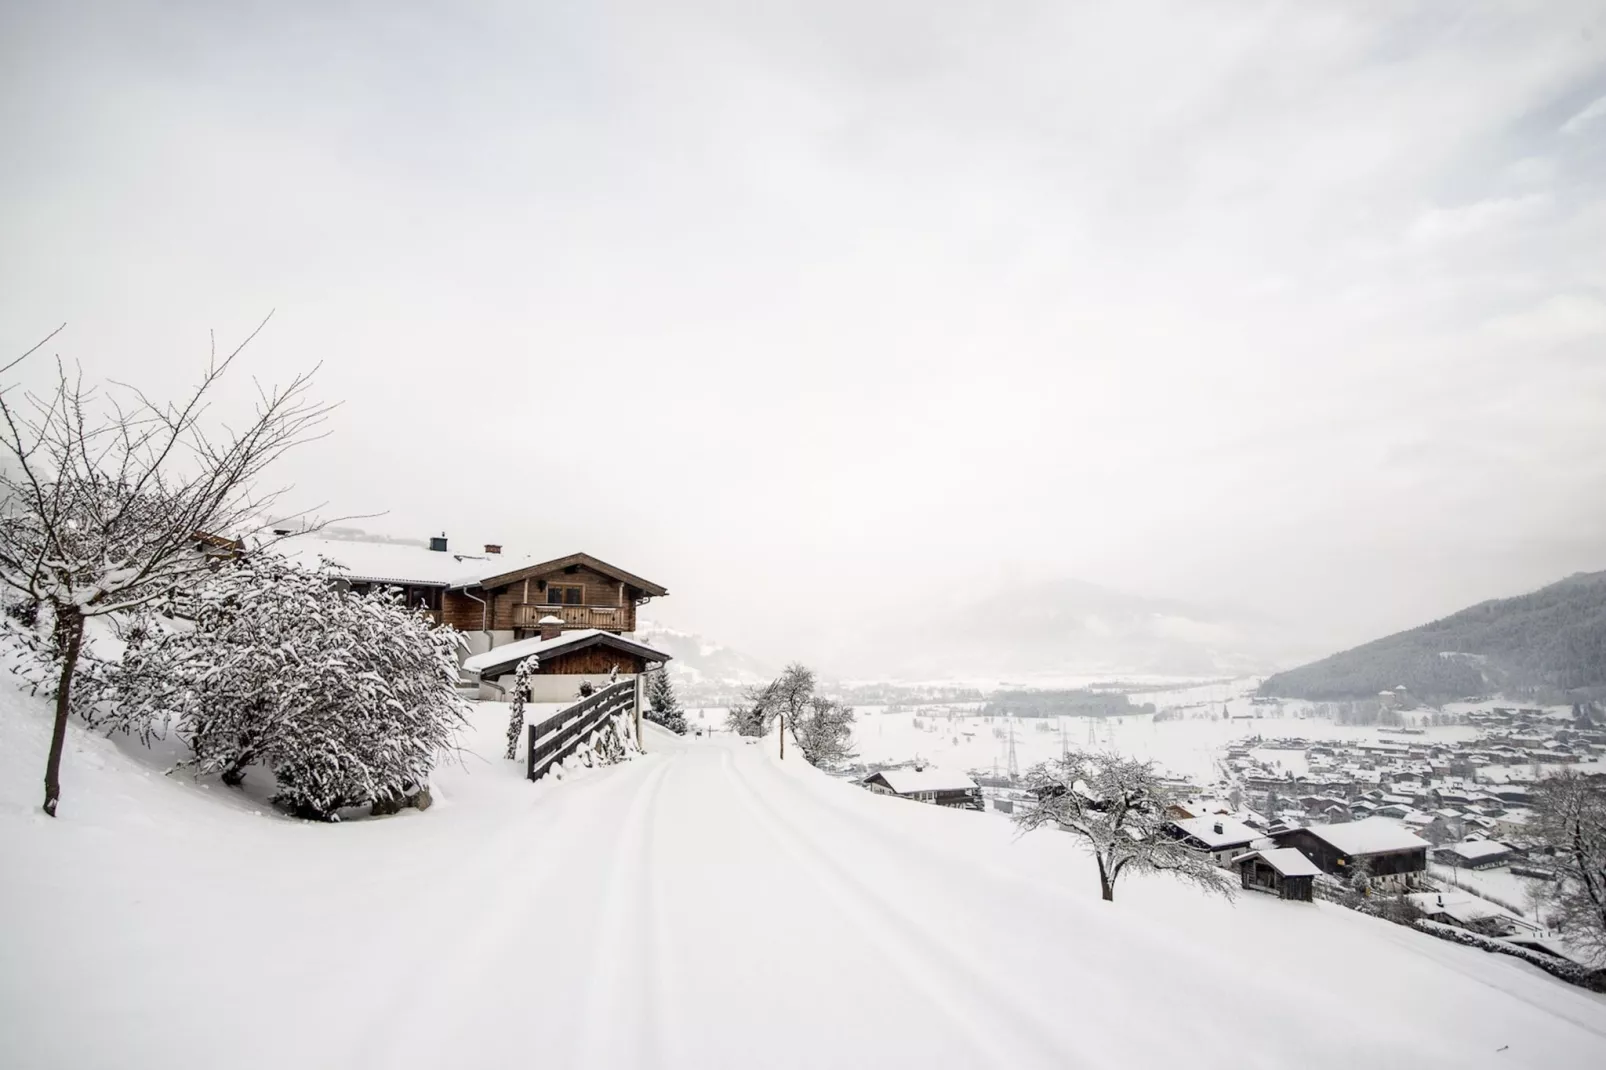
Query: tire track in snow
column 998, row 1030
column 516, row 866
column 622, row 1019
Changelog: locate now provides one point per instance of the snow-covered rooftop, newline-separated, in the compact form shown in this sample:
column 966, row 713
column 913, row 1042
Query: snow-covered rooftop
column 506, row 658
column 1204, row 828
column 1287, row 861
column 1476, row 850
column 396, row 562
column 907, row 781
column 1374, row 835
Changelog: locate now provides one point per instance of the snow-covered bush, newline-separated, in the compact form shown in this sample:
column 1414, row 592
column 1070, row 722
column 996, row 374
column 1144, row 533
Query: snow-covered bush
column 348, row 698
column 521, row 694
column 663, row 705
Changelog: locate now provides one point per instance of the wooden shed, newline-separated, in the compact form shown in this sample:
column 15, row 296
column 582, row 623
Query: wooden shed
column 1282, row 871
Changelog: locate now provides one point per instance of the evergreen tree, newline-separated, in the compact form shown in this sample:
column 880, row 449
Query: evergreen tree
column 521, row 694
column 663, row 706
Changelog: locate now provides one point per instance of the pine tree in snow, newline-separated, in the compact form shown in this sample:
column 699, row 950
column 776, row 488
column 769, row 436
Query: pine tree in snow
column 348, row 699
column 1119, row 806
column 110, row 501
column 663, row 706
column 521, row 691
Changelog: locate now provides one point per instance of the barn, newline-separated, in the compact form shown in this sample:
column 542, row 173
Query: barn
column 1281, row 871
column 1394, row 855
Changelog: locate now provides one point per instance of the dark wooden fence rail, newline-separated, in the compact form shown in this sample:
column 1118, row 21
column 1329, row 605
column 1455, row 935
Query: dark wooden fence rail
column 557, row 737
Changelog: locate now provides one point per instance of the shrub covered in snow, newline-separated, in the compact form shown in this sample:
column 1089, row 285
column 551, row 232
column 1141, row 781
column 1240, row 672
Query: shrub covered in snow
column 348, row 698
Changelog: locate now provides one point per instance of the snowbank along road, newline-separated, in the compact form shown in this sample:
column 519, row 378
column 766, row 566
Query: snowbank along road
column 702, row 906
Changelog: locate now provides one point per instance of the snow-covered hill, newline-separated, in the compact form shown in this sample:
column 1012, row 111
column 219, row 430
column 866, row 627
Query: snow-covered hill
column 703, row 906
column 703, row 664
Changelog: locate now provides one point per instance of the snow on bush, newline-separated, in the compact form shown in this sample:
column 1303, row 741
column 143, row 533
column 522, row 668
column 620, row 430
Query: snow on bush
column 348, row 698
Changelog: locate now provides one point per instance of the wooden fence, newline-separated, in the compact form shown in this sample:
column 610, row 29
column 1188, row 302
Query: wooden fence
column 557, row 737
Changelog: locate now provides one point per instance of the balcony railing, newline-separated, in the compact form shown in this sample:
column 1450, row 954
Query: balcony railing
column 608, row 618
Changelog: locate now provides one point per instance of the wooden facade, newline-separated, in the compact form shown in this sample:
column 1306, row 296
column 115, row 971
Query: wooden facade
column 579, row 590
column 1331, row 860
column 1257, row 875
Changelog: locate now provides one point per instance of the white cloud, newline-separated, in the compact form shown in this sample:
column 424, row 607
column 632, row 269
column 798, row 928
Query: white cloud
column 1558, row 320
column 1439, row 225
column 1594, row 111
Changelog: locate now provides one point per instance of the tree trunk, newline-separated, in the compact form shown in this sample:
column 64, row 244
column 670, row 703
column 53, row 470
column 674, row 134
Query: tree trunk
column 69, row 633
column 1106, row 886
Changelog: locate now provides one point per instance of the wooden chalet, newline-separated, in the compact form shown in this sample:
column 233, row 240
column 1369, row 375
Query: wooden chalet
column 485, row 590
column 1282, row 871
column 937, row 786
column 1394, row 855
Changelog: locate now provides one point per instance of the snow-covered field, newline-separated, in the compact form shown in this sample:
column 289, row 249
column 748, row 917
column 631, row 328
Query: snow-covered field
column 703, row 906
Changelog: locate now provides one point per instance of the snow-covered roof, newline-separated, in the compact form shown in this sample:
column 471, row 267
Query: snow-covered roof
column 1287, row 861
column 366, row 561
column 908, row 781
column 1203, row 829
column 1374, row 835
column 506, row 658
column 1475, row 850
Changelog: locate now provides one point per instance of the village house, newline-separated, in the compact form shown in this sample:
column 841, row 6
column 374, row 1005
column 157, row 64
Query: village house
column 1220, row 835
column 937, row 786
column 1394, row 856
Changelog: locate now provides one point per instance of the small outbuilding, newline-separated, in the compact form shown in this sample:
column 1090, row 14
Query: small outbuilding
column 1473, row 854
column 1282, row 871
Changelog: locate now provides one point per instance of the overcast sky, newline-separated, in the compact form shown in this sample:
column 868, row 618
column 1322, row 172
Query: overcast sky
column 811, row 309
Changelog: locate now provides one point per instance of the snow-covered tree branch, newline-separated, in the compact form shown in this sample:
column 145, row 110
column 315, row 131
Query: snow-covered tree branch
column 1119, row 806
column 1570, row 816
column 110, row 500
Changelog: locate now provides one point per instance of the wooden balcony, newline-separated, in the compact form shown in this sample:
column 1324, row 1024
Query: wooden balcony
column 605, row 618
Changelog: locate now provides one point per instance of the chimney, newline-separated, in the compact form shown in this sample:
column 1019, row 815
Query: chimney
column 493, row 547
column 438, row 543
column 551, row 627
column 1219, row 829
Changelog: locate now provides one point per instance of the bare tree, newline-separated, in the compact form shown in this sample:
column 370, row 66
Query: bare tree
column 110, row 500
column 1118, row 805
column 1570, row 815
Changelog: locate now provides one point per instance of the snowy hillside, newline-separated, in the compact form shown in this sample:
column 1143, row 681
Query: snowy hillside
column 668, row 912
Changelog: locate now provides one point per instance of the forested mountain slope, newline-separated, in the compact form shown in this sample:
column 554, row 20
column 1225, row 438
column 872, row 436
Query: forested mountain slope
column 1553, row 637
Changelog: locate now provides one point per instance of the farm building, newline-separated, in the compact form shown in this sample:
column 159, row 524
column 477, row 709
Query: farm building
column 938, row 786
column 1395, row 856
column 1282, row 871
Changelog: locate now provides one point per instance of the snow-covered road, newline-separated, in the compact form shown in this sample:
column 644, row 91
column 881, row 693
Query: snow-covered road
column 703, row 906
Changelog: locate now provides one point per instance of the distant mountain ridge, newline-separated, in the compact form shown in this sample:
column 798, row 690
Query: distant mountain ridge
column 1553, row 637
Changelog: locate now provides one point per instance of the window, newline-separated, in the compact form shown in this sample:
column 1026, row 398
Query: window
column 565, row 596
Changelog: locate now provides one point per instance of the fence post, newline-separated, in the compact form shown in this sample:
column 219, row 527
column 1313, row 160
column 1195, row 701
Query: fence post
column 529, row 760
column 641, row 690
